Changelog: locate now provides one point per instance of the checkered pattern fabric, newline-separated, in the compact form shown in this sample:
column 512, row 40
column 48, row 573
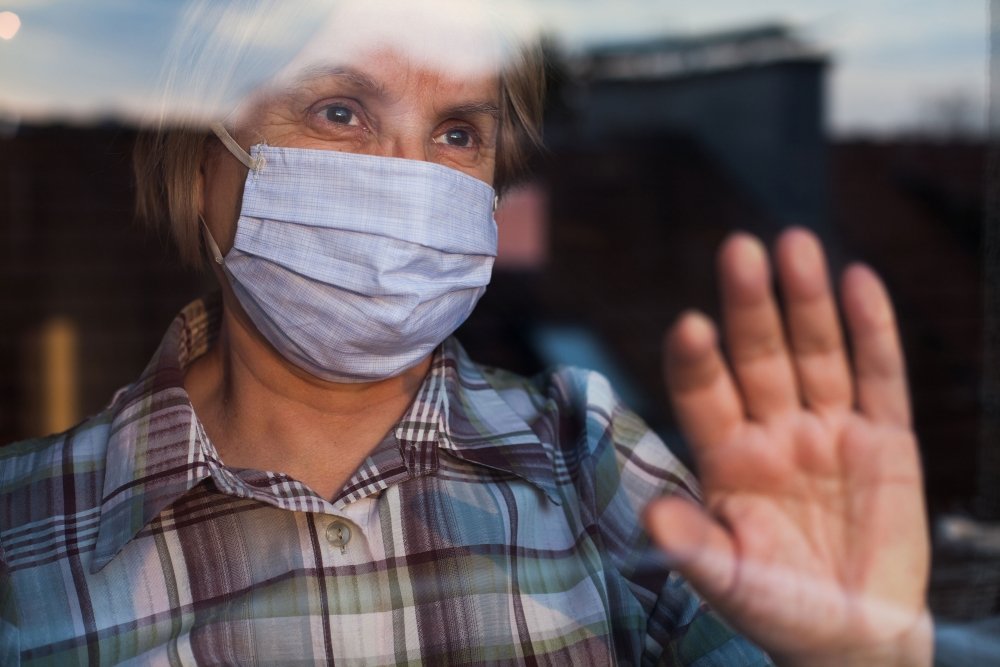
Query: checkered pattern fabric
column 498, row 523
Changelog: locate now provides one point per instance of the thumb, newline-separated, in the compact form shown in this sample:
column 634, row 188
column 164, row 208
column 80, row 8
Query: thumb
column 699, row 548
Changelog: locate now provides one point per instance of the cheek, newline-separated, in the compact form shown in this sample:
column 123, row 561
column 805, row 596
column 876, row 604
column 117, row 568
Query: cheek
column 482, row 171
column 489, row 174
column 489, row 169
column 223, row 193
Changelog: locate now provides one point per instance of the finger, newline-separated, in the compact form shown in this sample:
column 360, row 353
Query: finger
column 814, row 333
column 705, row 399
column 878, row 357
column 754, row 335
column 698, row 547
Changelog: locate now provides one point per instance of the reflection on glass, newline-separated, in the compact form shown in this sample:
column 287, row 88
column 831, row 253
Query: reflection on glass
column 667, row 128
column 10, row 23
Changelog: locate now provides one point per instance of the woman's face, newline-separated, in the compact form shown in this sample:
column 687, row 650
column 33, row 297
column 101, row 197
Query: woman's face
column 382, row 104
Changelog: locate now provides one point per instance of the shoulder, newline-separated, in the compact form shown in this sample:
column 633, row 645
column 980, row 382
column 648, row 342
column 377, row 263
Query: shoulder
column 556, row 402
column 568, row 391
column 47, row 477
column 579, row 415
column 54, row 455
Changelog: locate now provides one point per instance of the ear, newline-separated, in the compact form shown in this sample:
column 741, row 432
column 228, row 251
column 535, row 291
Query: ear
column 218, row 193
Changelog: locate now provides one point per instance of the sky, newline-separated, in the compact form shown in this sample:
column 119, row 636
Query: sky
column 893, row 61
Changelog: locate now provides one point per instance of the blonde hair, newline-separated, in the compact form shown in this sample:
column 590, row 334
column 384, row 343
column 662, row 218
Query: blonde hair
column 167, row 160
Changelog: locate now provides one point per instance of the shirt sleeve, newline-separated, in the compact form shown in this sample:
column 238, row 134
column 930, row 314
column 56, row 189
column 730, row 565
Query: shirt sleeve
column 10, row 642
column 624, row 466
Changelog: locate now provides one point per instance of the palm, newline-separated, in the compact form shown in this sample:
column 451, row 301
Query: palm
column 813, row 540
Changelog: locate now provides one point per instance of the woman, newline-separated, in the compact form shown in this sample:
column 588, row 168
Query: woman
column 311, row 470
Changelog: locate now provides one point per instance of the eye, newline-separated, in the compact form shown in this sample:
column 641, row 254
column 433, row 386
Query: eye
column 457, row 137
column 336, row 113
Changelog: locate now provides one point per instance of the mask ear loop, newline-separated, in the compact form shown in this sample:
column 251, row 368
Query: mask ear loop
column 252, row 163
column 212, row 245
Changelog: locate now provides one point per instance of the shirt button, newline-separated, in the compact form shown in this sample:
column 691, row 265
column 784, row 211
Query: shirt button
column 338, row 534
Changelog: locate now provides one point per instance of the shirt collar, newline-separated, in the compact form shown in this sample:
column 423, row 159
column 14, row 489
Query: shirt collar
column 157, row 450
column 486, row 425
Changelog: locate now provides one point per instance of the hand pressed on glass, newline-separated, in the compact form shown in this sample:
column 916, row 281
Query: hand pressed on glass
column 813, row 539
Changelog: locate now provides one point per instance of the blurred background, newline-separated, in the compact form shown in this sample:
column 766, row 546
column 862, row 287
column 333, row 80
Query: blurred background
column 669, row 125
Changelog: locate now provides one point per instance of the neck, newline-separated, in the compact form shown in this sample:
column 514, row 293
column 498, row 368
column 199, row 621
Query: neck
column 262, row 412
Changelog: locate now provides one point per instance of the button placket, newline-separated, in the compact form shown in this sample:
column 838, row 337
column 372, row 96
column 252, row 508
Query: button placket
column 338, row 534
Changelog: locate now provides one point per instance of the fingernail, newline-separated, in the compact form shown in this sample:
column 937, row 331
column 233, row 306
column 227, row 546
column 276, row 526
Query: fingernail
column 699, row 325
column 806, row 255
column 872, row 297
column 692, row 337
column 876, row 306
column 750, row 256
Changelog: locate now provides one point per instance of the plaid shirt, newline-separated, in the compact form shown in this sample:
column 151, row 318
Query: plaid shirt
column 497, row 523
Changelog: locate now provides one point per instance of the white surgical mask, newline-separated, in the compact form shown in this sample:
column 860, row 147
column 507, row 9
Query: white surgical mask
column 355, row 267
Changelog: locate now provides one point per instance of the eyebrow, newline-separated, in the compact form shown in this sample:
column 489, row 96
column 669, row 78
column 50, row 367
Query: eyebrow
column 358, row 78
column 362, row 80
column 474, row 108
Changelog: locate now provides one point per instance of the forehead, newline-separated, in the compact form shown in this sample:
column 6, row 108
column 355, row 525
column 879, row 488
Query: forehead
column 381, row 79
column 456, row 40
column 386, row 72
